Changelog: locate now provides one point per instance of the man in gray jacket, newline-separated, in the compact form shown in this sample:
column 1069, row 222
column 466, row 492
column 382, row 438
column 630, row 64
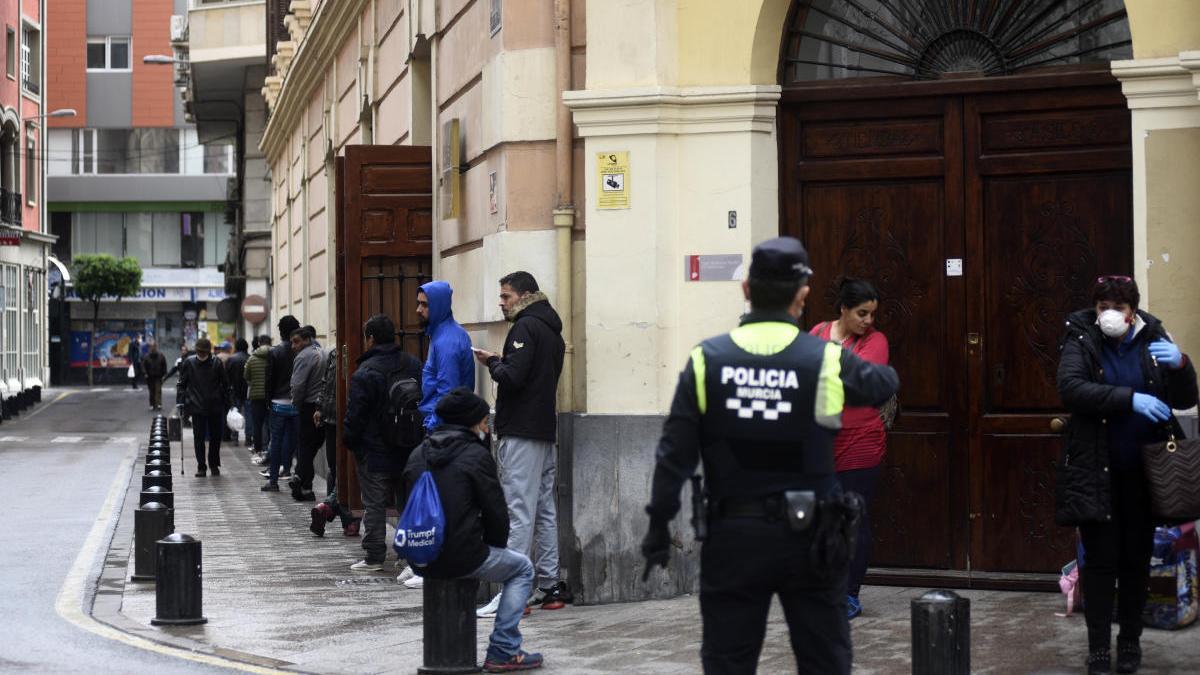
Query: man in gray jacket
column 326, row 419
column 307, row 369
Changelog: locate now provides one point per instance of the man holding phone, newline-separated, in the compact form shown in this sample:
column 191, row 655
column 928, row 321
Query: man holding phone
column 526, row 423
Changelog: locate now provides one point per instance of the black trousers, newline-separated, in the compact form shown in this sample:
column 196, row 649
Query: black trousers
column 346, row 515
column 380, row 491
column 864, row 482
column 154, row 384
column 208, row 428
column 743, row 563
column 308, row 444
column 1118, row 554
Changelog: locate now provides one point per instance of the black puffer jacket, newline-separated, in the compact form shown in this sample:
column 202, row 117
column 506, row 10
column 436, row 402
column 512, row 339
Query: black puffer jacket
column 1084, row 492
column 527, row 374
column 279, row 371
column 472, row 499
column 366, row 404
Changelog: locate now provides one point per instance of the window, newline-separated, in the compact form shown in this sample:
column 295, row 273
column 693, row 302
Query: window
column 191, row 249
column 31, row 51
column 35, row 281
column 125, row 151
column 217, row 241
column 10, row 52
column 30, row 174
column 218, row 158
column 154, row 239
column 167, row 240
column 12, row 311
column 139, row 237
column 108, row 53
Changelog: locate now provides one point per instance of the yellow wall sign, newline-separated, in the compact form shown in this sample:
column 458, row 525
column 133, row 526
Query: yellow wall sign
column 613, row 170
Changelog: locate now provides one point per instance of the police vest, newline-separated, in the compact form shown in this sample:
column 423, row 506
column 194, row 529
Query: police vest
column 771, row 399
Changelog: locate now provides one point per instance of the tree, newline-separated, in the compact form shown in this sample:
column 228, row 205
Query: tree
column 99, row 277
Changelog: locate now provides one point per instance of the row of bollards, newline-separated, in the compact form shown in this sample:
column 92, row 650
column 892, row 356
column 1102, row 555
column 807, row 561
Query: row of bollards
column 13, row 406
column 170, row 559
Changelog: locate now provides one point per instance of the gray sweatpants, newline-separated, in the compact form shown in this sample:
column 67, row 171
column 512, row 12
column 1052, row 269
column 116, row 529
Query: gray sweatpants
column 527, row 469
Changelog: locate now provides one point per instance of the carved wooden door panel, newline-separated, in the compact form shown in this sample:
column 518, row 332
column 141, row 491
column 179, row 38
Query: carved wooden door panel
column 1048, row 209
column 384, row 248
column 874, row 190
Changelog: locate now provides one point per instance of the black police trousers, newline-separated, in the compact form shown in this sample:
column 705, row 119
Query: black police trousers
column 743, row 563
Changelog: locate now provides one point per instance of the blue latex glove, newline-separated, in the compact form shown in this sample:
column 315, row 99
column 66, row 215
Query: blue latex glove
column 1151, row 408
column 1166, row 353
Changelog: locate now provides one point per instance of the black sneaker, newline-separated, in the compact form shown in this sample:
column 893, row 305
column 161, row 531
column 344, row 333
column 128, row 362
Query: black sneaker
column 216, row 471
column 555, row 597
column 306, row 496
column 270, row 487
column 1099, row 662
column 201, row 473
column 1129, row 656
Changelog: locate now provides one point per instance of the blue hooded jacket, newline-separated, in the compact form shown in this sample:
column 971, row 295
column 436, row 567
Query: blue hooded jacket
column 450, row 363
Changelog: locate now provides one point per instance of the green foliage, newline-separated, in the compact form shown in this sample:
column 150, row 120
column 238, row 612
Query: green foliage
column 100, row 275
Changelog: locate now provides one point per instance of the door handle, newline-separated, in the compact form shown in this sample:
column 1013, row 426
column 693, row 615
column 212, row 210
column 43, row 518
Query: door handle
column 1057, row 425
column 974, row 339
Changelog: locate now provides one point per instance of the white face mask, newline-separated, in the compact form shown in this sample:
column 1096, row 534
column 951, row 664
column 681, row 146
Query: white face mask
column 1113, row 323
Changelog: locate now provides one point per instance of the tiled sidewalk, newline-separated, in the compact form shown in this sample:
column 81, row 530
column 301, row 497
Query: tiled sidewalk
column 272, row 589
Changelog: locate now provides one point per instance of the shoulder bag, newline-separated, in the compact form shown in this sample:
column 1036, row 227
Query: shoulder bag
column 1173, row 474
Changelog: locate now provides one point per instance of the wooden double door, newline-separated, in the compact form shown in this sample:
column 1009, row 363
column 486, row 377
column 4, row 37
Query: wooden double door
column 384, row 204
column 983, row 210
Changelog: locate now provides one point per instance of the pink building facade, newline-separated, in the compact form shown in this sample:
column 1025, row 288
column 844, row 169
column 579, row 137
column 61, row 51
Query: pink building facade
column 24, row 242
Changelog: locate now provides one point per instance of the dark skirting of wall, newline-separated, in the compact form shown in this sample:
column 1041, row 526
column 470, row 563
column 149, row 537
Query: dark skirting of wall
column 605, row 465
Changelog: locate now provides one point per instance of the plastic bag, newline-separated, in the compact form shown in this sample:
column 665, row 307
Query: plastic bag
column 131, row 373
column 234, row 420
column 422, row 526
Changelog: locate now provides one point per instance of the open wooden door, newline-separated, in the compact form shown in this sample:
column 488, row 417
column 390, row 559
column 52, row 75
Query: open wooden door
column 384, row 201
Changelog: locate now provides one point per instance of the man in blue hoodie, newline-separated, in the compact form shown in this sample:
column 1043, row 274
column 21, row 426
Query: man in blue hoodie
column 450, row 365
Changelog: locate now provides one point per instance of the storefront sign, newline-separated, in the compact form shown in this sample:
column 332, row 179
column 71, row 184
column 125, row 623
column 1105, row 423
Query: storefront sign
column 162, row 294
column 10, row 237
column 613, row 170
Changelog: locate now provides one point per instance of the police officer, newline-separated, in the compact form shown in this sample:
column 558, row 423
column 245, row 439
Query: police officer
column 760, row 406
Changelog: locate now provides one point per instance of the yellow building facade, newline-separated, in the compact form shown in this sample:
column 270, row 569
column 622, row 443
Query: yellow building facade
column 684, row 97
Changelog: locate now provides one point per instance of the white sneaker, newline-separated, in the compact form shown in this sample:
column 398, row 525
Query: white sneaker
column 405, row 575
column 489, row 610
column 364, row 566
column 415, row 582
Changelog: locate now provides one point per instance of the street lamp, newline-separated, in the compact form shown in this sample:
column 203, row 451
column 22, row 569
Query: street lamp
column 161, row 60
column 61, row 112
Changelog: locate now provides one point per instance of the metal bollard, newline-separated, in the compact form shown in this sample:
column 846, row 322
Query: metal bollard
column 37, row 393
column 159, row 478
column 179, row 595
column 157, row 493
column 159, row 465
column 941, row 634
column 158, row 453
column 151, row 522
column 175, row 429
column 449, row 626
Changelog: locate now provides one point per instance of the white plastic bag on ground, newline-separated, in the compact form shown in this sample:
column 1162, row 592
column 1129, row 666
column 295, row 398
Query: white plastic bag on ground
column 234, row 420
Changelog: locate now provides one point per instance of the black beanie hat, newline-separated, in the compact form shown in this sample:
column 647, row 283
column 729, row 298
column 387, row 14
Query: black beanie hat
column 460, row 406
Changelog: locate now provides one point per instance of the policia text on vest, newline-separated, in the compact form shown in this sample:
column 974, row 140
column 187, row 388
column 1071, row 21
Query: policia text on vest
column 760, row 407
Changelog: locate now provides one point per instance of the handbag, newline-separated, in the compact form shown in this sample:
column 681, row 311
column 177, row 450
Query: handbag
column 1173, row 474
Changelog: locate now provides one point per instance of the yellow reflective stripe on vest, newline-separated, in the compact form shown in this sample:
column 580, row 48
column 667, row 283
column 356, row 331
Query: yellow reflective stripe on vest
column 831, row 396
column 766, row 338
column 699, row 369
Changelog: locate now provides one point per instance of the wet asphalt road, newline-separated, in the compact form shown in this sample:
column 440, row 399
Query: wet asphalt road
column 58, row 462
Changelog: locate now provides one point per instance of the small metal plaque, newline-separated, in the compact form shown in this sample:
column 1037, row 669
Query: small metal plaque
column 720, row 267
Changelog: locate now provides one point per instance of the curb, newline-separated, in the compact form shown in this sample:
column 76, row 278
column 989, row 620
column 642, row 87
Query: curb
column 106, row 588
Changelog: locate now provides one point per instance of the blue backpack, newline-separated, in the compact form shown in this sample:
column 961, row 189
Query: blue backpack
column 422, row 526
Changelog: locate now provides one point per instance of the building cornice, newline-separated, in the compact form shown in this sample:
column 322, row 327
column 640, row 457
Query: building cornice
column 674, row 110
column 1159, row 83
column 322, row 41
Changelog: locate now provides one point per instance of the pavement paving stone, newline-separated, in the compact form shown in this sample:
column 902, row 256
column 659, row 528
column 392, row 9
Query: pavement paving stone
column 274, row 590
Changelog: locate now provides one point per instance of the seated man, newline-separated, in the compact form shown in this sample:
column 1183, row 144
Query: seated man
column 476, row 521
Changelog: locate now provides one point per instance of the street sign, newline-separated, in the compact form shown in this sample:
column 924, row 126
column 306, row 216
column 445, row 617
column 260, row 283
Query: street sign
column 10, row 237
column 254, row 309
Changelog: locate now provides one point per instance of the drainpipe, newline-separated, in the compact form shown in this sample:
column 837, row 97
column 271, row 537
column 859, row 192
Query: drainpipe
column 564, row 210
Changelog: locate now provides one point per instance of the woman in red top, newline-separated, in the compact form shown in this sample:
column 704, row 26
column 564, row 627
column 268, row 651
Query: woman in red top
column 859, row 447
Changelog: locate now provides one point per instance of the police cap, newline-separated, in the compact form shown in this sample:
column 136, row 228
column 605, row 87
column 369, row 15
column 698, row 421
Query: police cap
column 780, row 259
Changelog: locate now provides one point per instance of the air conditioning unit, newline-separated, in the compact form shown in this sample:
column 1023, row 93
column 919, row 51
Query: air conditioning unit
column 179, row 28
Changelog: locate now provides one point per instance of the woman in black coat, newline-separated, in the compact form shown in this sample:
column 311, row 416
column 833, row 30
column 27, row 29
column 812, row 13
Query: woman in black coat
column 1119, row 375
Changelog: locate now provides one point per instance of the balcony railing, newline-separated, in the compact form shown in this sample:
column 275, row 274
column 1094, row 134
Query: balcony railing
column 11, row 207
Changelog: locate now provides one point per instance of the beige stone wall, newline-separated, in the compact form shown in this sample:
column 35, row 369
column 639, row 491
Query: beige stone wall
column 1173, row 231
column 1163, row 27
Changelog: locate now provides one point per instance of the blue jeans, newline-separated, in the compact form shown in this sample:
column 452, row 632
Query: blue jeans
column 514, row 570
column 285, row 427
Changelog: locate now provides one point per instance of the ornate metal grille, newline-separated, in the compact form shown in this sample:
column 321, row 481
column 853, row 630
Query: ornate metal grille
column 930, row 39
